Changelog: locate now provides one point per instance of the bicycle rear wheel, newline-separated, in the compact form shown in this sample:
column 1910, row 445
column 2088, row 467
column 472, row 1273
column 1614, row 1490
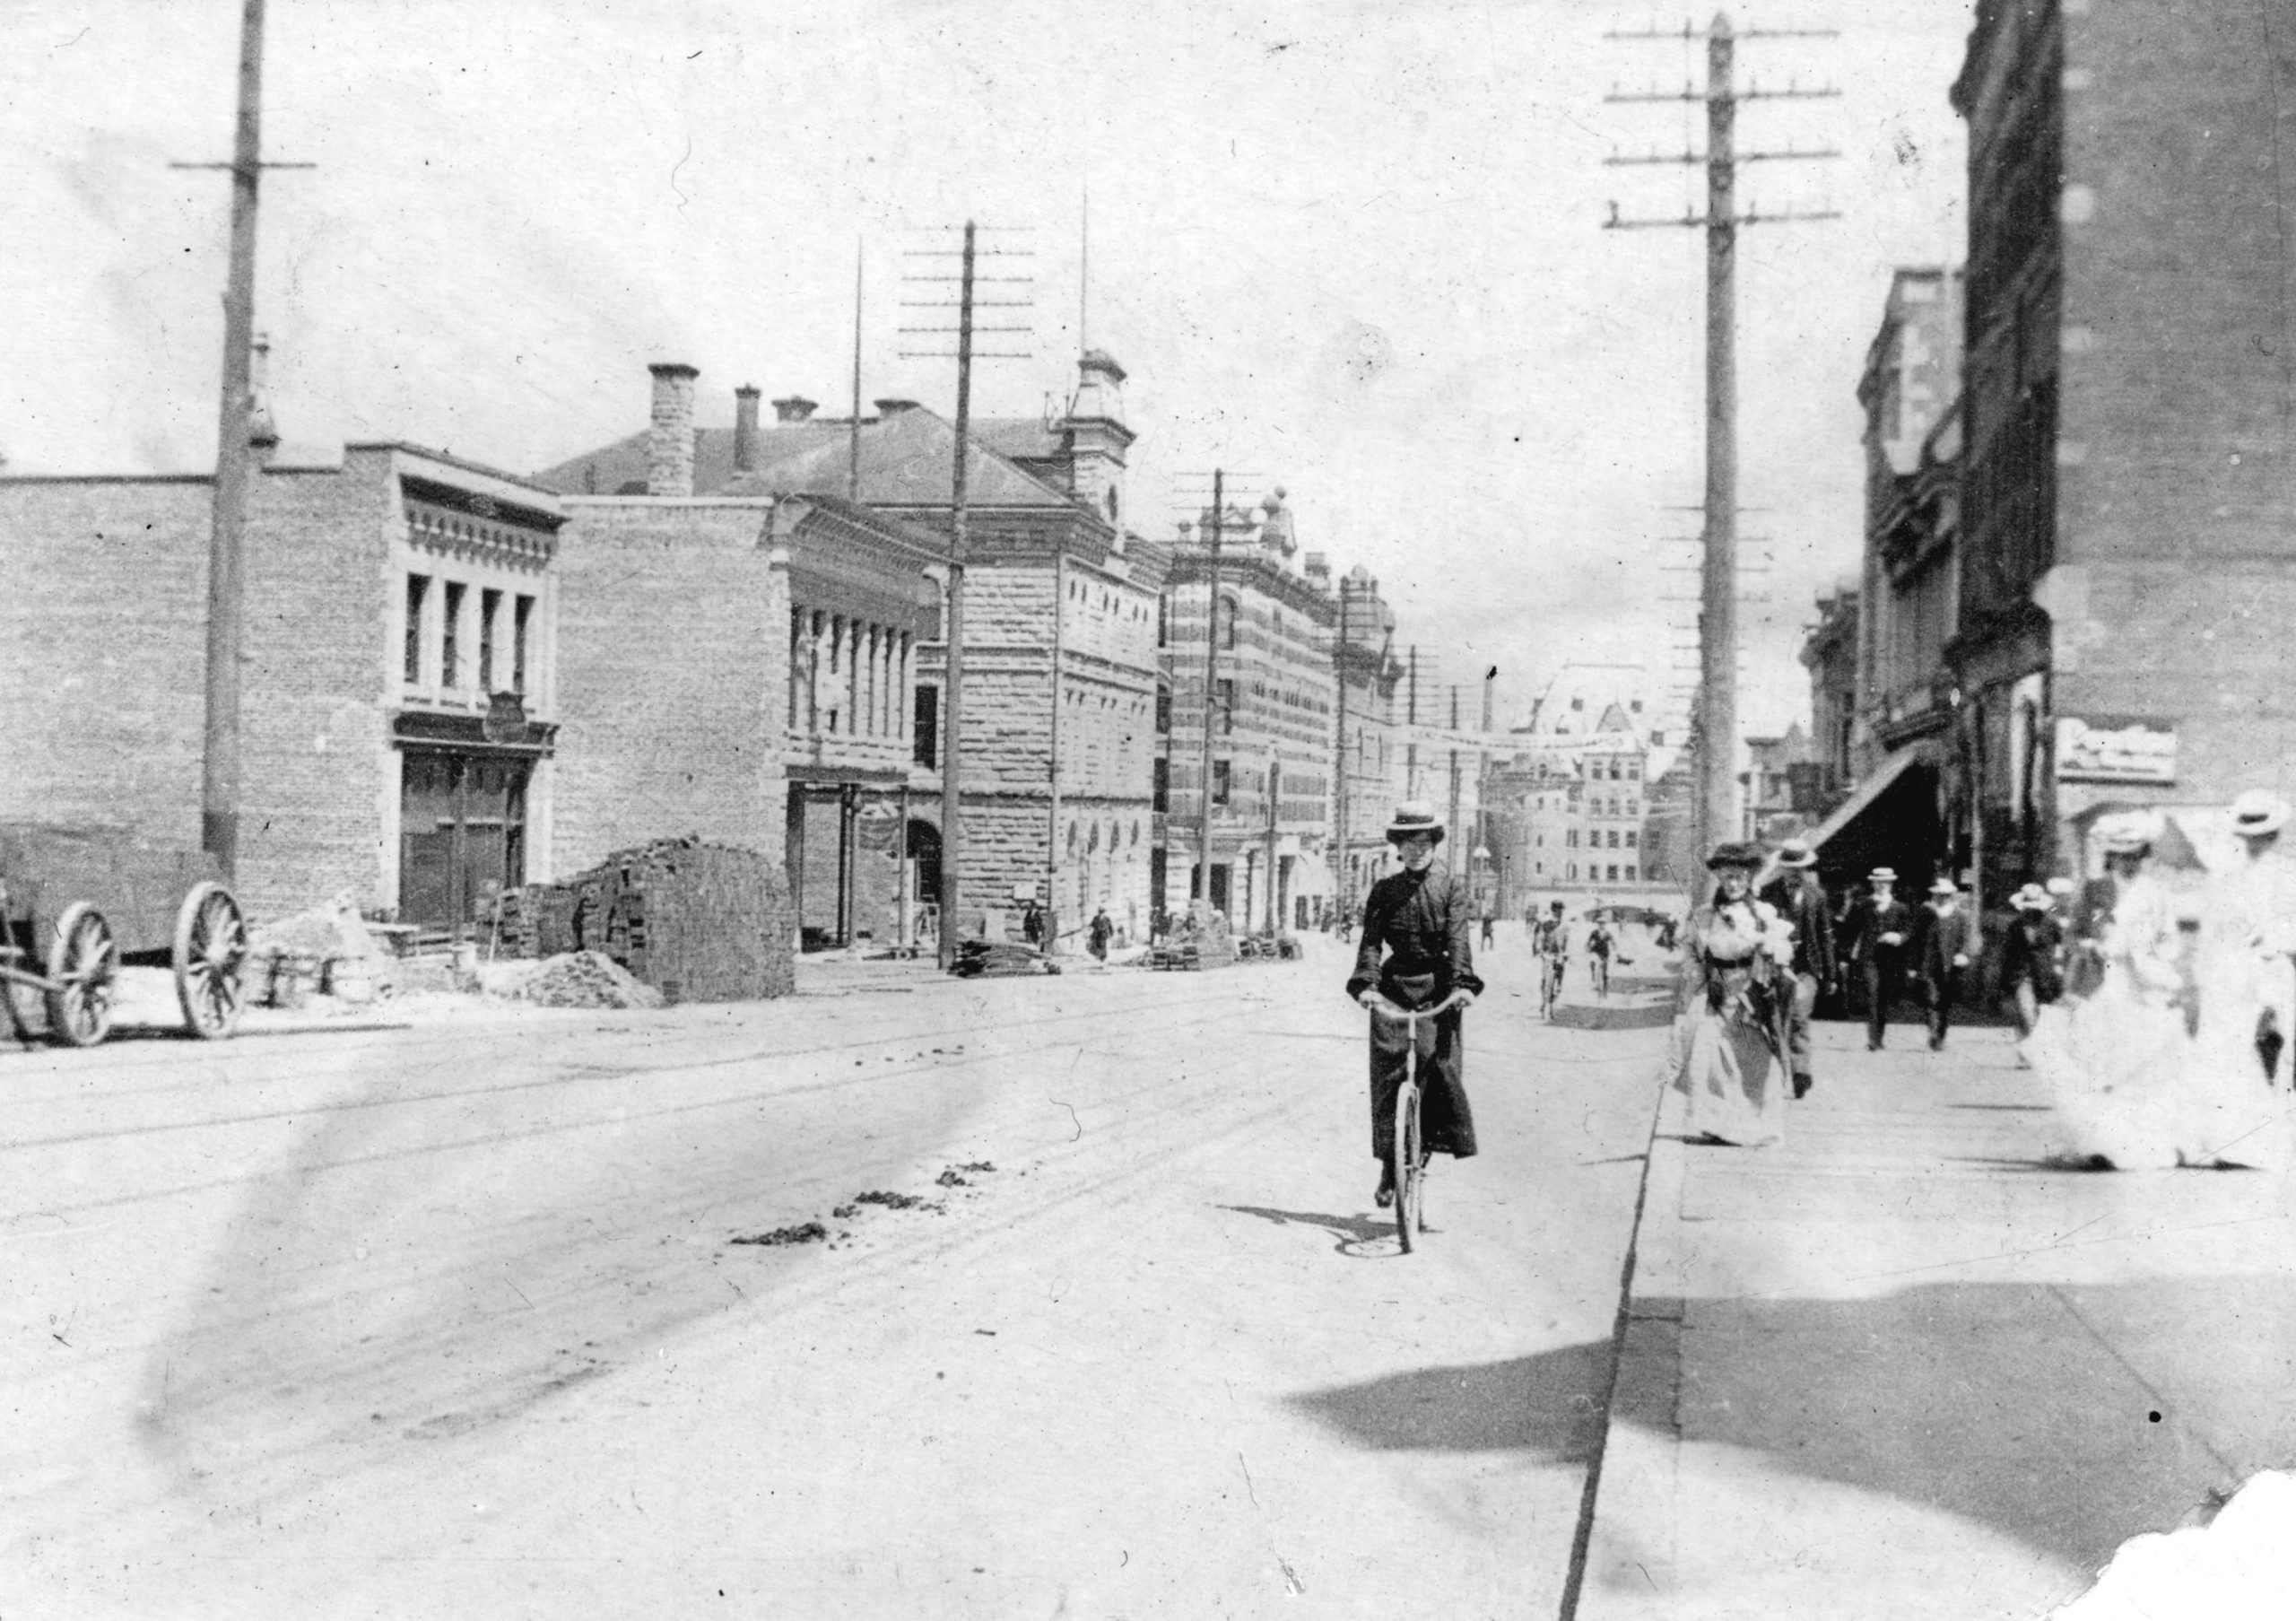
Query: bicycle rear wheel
column 1407, row 1165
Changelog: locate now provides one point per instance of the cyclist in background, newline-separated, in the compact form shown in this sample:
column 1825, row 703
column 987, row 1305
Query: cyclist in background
column 1552, row 941
column 1599, row 946
column 1419, row 918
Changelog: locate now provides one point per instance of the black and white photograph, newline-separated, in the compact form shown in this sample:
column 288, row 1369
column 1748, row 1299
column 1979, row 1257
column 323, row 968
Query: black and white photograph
column 972, row 809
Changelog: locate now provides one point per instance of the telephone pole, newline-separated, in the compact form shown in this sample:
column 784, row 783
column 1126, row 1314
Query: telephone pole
column 1714, row 730
column 219, row 788
column 1340, row 883
column 953, row 665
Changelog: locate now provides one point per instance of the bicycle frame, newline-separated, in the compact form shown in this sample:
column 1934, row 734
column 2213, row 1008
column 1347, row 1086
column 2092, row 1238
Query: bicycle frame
column 1406, row 1156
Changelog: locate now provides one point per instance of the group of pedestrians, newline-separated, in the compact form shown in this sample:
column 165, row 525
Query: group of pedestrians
column 2163, row 1041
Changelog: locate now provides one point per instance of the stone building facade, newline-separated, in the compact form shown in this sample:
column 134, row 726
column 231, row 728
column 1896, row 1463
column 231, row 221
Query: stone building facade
column 1271, row 718
column 1059, row 626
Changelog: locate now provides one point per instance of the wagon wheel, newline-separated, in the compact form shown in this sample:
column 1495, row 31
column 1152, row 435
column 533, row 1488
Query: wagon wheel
column 83, row 967
column 210, row 953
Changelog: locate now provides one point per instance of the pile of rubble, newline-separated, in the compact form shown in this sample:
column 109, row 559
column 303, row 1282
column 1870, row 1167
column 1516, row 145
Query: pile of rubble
column 577, row 979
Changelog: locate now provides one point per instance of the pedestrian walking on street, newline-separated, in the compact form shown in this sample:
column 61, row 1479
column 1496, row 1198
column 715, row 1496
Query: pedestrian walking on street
column 1415, row 951
column 2033, row 957
column 1096, row 939
column 2240, row 975
column 1879, row 926
column 1032, row 924
column 1727, row 1049
column 1940, row 951
column 2113, row 1059
column 1490, row 920
column 1800, row 898
column 1599, row 948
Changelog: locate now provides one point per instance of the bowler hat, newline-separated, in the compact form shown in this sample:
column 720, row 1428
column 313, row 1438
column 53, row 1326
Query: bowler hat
column 1944, row 885
column 1733, row 854
column 1797, row 853
column 2258, row 812
column 1415, row 816
column 2033, row 897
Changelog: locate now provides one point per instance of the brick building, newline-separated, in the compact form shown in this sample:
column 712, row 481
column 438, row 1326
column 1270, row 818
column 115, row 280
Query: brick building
column 399, row 705
column 1271, row 718
column 1059, row 653
column 1368, row 782
column 2129, row 571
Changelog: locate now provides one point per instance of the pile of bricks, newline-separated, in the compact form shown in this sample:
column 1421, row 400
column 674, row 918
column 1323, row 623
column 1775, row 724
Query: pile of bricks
column 698, row 922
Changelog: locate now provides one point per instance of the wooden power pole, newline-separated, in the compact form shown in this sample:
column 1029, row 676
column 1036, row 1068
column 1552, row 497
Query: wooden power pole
column 1716, row 732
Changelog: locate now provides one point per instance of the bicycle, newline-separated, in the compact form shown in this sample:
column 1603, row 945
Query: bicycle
column 1550, row 984
column 1407, row 1155
column 1599, row 967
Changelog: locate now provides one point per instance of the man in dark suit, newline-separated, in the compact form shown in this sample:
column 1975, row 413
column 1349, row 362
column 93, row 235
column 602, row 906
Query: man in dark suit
column 1880, row 926
column 1942, row 947
column 1801, row 900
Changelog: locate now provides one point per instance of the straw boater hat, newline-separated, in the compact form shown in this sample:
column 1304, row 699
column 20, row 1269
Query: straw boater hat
column 2033, row 897
column 2128, row 832
column 1883, row 875
column 1944, row 885
column 1797, row 854
column 1733, row 855
column 2257, row 812
column 1415, row 816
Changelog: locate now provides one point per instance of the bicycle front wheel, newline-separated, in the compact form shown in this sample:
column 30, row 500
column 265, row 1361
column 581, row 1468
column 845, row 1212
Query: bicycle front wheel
column 1409, row 1167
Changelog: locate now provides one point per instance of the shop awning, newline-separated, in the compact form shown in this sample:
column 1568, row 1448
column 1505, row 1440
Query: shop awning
column 1877, row 783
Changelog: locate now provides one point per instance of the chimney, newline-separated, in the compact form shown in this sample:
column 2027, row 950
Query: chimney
column 669, row 445
column 263, row 433
column 794, row 408
column 894, row 407
column 746, row 428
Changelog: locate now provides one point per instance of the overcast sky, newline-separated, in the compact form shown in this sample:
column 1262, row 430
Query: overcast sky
column 1354, row 250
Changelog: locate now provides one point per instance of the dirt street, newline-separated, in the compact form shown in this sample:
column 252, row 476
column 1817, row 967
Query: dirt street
column 447, row 1318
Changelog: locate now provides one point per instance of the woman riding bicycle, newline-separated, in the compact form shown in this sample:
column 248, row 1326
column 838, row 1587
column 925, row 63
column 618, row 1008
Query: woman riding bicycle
column 1420, row 917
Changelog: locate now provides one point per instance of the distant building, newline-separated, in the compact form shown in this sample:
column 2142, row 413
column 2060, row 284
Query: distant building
column 1271, row 718
column 1884, row 695
column 1368, row 784
column 2129, row 570
column 1574, row 794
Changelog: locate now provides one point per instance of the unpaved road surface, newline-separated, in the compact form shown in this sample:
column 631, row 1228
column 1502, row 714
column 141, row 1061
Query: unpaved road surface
column 447, row 1319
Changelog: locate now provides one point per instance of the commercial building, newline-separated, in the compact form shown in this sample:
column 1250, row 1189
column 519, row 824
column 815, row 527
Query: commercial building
column 1272, row 714
column 1059, row 626
column 2128, row 568
column 399, row 713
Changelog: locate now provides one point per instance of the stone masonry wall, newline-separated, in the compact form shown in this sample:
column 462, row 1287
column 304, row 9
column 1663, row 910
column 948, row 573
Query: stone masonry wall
column 103, row 653
column 313, row 727
column 672, row 640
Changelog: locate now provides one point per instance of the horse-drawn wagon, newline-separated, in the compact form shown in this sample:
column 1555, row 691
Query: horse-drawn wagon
column 78, row 903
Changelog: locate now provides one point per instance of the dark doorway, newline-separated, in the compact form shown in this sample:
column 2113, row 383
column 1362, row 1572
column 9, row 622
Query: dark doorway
column 462, row 827
column 925, row 849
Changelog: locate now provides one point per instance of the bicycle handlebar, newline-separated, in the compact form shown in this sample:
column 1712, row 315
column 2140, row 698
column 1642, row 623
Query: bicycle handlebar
column 1382, row 1008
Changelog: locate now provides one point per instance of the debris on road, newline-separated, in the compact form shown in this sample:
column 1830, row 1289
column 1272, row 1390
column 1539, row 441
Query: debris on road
column 893, row 1201
column 803, row 1232
column 577, row 979
column 999, row 959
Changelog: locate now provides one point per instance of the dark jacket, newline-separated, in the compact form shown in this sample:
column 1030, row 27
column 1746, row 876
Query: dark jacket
column 1869, row 921
column 1804, row 905
column 2032, row 948
column 1420, row 922
column 1937, row 939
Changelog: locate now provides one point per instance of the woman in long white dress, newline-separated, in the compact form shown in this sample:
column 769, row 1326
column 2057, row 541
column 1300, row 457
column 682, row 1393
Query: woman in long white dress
column 2233, row 1113
column 2113, row 1060
column 1726, row 1053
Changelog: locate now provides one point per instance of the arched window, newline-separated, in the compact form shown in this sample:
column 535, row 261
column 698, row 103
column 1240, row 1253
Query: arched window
column 1227, row 622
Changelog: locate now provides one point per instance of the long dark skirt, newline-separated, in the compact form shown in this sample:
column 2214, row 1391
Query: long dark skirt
column 1446, row 1123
